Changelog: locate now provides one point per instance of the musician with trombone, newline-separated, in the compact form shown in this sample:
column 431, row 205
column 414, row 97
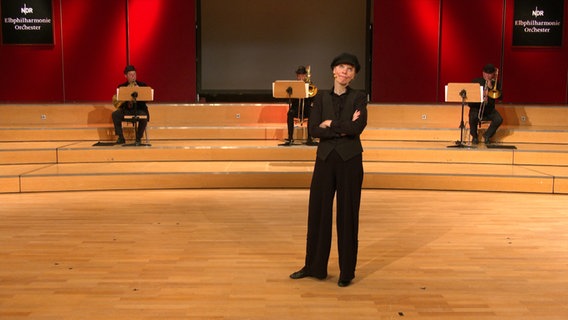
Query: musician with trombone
column 127, row 107
column 485, row 111
column 300, row 108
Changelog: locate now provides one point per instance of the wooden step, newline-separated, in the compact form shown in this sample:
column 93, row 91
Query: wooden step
column 279, row 174
column 220, row 164
column 236, row 146
column 263, row 164
column 274, row 132
column 267, row 150
column 86, row 122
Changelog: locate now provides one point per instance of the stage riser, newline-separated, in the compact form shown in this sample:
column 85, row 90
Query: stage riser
column 296, row 153
column 81, row 122
column 9, row 184
column 510, row 136
column 235, row 146
column 195, row 154
column 107, row 134
column 214, row 180
column 118, row 154
column 277, row 174
column 541, row 158
column 450, row 155
column 449, row 115
column 561, row 185
column 459, row 183
column 93, row 115
column 28, row 156
column 383, row 115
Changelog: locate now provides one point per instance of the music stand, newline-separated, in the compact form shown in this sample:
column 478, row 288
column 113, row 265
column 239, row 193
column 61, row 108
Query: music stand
column 464, row 93
column 135, row 94
column 290, row 89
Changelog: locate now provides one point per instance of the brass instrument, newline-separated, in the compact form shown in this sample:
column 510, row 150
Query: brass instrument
column 115, row 102
column 312, row 89
column 482, row 105
column 494, row 93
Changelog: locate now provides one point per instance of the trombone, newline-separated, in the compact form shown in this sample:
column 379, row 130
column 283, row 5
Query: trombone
column 312, row 91
column 493, row 93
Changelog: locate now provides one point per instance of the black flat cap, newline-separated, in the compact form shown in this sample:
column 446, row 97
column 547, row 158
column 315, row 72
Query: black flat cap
column 346, row 58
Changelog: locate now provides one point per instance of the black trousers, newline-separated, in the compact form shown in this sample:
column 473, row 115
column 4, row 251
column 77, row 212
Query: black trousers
column 494, row 116
column 118, row 117
column 293, row 113
column 344, row 178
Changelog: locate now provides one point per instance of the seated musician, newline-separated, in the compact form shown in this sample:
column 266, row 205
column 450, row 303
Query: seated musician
column 295, row 111
column 128, row 108
column 486, row 109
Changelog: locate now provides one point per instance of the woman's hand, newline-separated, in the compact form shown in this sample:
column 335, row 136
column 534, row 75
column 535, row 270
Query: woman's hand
column 325, row 124
column 356, row 115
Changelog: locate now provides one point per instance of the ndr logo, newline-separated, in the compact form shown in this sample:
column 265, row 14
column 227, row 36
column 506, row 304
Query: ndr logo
column 537, row 13
column 26, row 10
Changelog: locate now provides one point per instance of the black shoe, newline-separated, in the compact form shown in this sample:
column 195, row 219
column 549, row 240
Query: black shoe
column 138, row 142
column 487, row 141
column 287, row 143
column 343, row 283
column 303, row 273
column 311, row 142
column 474, row 140
column 120, row 140
column 299, row 274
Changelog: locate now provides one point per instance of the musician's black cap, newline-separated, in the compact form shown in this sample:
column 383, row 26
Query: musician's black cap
column 489, row 68
column 346, row 58
column 301, row 70
column 129, row 68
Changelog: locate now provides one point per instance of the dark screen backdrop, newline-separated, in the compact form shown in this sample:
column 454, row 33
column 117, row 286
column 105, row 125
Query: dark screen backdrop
column 244, row 45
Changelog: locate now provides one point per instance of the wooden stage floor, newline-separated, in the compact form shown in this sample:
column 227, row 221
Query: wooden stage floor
column 227, row 254
column 209, row 221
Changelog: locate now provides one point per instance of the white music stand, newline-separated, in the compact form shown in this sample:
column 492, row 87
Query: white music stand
column 464, row 93
column 135, row 94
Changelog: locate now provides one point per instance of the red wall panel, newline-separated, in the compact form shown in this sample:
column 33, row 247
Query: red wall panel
column 472, row 33
column 418, row 47
column 94, row 48
column 33, row 73
column 471, row 38
column 162, row 47
column 405, row 51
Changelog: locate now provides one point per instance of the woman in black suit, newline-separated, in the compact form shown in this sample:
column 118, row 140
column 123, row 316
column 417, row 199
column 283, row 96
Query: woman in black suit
column 338, row 118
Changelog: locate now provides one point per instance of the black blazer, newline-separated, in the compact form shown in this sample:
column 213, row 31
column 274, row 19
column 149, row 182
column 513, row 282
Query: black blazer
column 344, row 134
